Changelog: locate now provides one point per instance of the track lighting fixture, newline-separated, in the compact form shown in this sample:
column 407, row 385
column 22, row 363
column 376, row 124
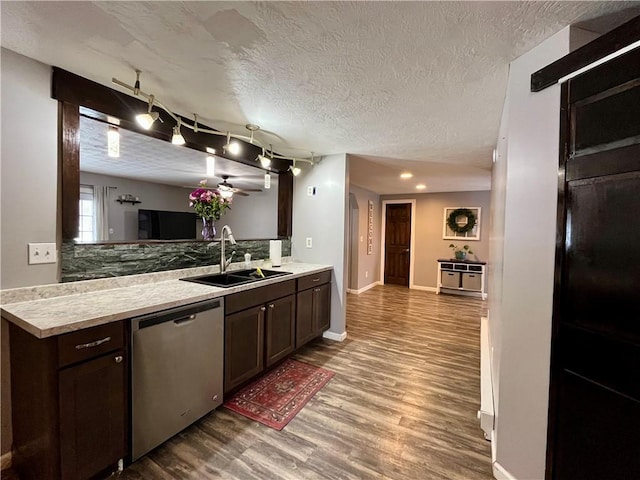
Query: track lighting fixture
column 264, row 160
column 231, row 147
column 146, row 120
column 295, row 170
column 177, row 138
column 113, row 142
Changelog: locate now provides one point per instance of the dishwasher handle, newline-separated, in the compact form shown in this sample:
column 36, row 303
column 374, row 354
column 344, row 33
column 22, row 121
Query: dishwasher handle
column 185, row 321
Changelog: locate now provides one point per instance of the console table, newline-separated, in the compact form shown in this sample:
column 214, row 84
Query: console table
column 463, row 277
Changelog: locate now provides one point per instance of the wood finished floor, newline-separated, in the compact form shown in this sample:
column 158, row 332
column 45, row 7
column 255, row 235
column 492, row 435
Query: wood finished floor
column 402, row 405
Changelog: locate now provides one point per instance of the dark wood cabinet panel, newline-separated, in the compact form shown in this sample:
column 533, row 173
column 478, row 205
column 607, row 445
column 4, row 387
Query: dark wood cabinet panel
column 305, row 325
column 92, row 416
column 313, row 314
column 71, row 422
column 243, row 346
column 280, row 329
column 322, row 307
column 258, row 296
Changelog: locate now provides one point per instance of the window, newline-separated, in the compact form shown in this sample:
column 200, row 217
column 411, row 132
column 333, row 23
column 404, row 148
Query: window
column 86, row 229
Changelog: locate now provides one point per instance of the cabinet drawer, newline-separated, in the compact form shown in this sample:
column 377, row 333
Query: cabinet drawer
column 472, row 281
column 258, row 296
column 450, row 279
column 89, row 343
column 314, row 280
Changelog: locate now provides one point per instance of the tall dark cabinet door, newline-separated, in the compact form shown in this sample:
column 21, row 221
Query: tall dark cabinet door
column 280, row 329
column 322, row 307
column 305, row 322
column 594, row 421
column 92, row 416
column 243, row 346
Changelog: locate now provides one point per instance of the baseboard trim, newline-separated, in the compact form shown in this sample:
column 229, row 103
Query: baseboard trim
column 426, row 289
column 363, row 289
column 5, row 461
column 338, row 337
column 500, row 473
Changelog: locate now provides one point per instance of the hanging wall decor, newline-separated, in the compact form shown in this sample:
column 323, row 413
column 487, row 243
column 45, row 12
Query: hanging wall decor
column 461, row 222
column 370, row 229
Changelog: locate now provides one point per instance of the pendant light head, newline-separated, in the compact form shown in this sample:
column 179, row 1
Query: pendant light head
column 264, row 160
column 145, row 120
column 295, row 170
column 231, row 147
column 177, row 138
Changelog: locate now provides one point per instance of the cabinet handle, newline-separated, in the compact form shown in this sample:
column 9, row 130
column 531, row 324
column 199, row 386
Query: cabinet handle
column 316, row 289
column 119, row 359
column 92, row 344
column 263, row 308
column 316, row 279
column 271, row 305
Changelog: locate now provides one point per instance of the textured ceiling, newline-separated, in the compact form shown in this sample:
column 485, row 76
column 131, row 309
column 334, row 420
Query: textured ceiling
column 413, row 81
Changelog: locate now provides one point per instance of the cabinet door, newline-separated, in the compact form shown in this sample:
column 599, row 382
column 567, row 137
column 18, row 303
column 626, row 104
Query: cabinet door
column 305, row 323
column 93, row 402
column 280, row 329
column 243, row 346
column 322, row 307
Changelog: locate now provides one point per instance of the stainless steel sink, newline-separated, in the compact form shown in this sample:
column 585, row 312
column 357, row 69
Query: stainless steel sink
column 231, row 279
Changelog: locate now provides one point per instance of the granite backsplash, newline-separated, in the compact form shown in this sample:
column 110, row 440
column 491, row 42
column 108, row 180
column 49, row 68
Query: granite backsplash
column 86, row 262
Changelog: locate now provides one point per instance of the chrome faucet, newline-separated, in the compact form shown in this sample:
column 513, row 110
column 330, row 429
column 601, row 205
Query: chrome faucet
column 224, row 262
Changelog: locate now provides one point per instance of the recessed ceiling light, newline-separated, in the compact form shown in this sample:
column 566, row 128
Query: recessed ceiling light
column 421, row 186
column 406, row 175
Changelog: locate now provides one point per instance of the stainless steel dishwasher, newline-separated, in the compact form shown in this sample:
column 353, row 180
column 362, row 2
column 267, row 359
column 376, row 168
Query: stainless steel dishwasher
column 177, row 371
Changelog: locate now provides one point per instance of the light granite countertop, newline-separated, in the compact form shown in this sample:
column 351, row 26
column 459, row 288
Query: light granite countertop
column 50, row 310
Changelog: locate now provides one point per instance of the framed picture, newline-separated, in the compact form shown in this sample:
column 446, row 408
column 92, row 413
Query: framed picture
column 370, row 229
column 461, row 223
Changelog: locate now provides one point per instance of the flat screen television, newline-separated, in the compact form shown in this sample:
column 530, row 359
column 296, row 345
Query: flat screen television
column 163, row 225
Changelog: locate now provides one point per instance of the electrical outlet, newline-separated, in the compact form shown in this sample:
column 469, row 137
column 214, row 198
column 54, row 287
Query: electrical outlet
column 311, row 191
column 366, row 274
column 111, row 231
column 42, row 253
column 309, row 242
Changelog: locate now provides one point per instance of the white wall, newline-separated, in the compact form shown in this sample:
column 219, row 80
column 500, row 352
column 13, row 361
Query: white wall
column 367, row 266
column 522, row 255
column 29, row 168
column 324, row 218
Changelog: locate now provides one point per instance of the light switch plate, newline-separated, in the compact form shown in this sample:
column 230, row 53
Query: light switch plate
column 42, row 253
column 309, row 242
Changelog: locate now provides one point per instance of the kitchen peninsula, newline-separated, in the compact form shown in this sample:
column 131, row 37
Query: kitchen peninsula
column 71, row 351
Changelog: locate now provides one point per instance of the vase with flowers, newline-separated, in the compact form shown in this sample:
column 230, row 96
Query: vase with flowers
column 210, row 205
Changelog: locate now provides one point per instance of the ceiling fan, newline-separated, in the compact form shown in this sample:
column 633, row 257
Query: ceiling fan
column 227, row 189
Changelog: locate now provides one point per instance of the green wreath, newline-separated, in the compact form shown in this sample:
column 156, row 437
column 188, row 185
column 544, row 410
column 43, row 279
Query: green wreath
column 462, row 212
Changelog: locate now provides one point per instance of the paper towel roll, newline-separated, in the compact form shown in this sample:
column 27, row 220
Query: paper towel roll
column 275, row 252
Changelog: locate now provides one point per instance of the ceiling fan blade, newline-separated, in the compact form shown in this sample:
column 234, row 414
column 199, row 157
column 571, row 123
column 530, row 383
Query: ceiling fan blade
column 242, row 194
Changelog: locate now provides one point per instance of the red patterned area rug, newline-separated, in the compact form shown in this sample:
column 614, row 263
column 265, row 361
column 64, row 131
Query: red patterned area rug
column 276, row 398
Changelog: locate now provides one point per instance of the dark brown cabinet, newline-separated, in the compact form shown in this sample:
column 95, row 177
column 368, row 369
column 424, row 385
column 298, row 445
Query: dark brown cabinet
column 313, row 314
column 259, row 331
column 92, row 415
column 243, row 346
column 70, row 402
column 280, row 329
